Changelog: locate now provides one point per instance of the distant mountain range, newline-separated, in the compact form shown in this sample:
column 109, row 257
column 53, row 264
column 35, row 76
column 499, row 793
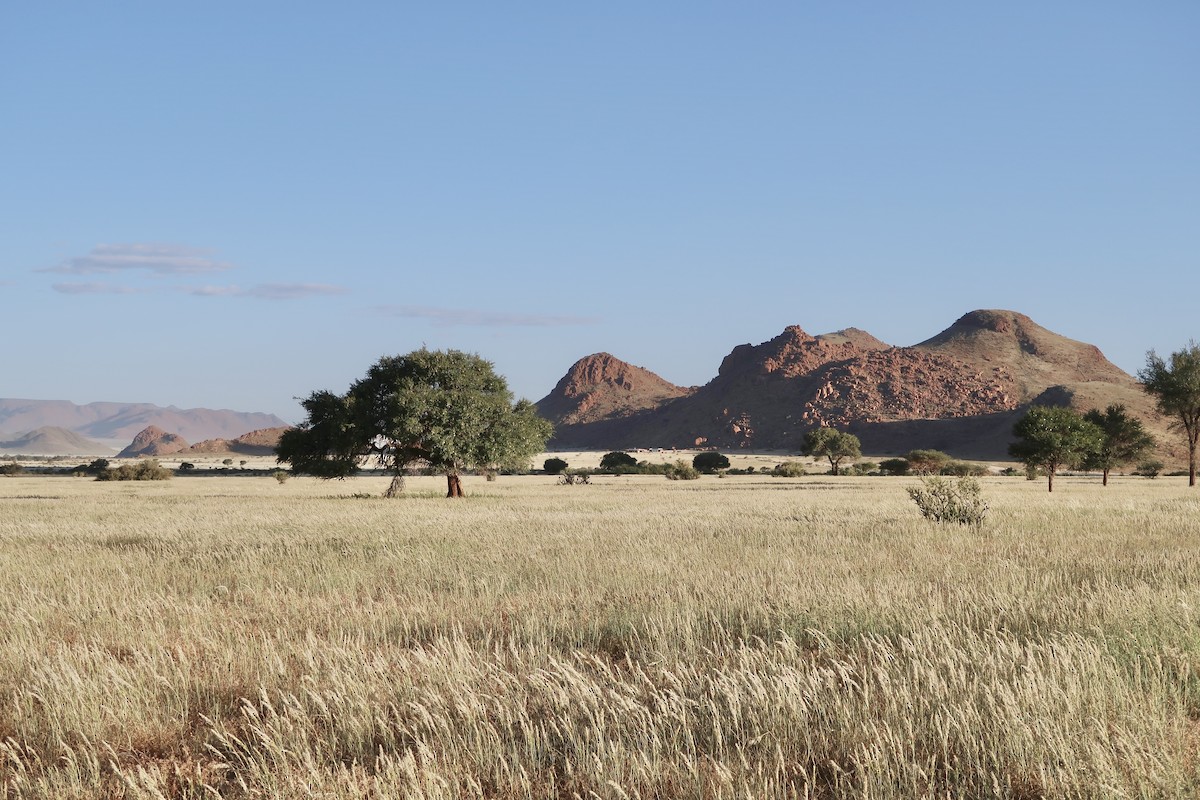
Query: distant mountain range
column 120, row 422
column 959, row 391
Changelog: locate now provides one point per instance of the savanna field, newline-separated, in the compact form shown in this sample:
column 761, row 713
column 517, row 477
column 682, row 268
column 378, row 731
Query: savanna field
column 751, row 636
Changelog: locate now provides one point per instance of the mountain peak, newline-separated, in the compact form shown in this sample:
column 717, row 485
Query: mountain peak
column 602, row 385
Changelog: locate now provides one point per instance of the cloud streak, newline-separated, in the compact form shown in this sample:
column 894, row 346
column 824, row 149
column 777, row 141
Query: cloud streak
column 462, row 317
column 94, row 288
column 157, row 259
column 268, row 291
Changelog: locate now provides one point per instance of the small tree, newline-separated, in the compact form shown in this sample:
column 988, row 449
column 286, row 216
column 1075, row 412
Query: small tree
column 710, row 462
column 1051, row 438
column 554, row 466
column 448, row 409
column 894, row 466
column 832, row 444
column 618, row 461
column 1125, row 439
column 926, row 462
column 1176, row 390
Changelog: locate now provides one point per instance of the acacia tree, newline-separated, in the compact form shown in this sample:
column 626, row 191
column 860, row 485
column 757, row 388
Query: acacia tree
column 1176, row 390
column 1051, row 438
column 1124, row 439
column 448, row 409
column 832, row 444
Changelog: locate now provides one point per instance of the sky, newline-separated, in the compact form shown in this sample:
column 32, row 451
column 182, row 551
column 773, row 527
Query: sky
column 231, row 205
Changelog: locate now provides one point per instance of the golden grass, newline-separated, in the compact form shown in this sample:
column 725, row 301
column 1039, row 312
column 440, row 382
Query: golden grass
column 739, row 637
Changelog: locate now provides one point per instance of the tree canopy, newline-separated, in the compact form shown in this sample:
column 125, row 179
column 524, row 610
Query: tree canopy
column 1052, row 438
column 1124, row 439
column 710, row 462
column 832, row 444
column 1175, row 385
column 447, row 409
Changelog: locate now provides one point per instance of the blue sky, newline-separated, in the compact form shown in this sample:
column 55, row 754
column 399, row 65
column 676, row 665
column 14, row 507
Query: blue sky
column 233, row 204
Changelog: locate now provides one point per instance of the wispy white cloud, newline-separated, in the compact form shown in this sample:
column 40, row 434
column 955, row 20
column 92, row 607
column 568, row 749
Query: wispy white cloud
column 452, row 317
column 268, row 291
column 95, row 288
column 157, row 259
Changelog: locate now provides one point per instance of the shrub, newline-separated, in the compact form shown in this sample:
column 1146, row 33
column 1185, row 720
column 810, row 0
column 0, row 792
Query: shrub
column 947, row 501
column 710, row 462
column 964, row 469
column 926, row 462
column 894, row 466
column 618, row 460
column 186, row 466
column 148, row 470
column 1149, row 469
column 862, row 468
column 554, row 466
column 281, row 475
column 578, row 478
column 682, row 471
column 789, row 469
column 11, row 468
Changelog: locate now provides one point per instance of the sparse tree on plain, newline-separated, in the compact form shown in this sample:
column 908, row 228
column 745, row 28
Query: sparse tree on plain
column 1051, row 438
column 832, row 444
column 1125, row 439
column 448, row 409
column 1175, row 386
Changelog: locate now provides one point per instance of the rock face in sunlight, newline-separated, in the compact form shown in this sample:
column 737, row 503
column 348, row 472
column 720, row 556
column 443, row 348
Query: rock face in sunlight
column 959, row 391
column 154, row 441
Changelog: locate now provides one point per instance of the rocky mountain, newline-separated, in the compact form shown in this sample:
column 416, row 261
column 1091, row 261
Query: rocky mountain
column 52, row 441
column 153, row 442
column 255, row 443
column 959, row 391
column 122, row 421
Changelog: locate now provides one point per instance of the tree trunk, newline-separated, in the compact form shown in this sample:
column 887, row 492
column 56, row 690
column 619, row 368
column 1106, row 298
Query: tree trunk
column 1192, row 466
column 396, row 487
column 1105, row 482
column 1050, row 478
column 454, row 486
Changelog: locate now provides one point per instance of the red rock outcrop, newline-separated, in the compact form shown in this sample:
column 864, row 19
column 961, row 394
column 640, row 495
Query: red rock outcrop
column 153, row 441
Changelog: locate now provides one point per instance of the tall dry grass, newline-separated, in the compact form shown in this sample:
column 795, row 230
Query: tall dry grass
column 739, row 637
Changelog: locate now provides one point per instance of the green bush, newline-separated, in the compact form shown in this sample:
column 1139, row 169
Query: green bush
column 789, row 469
column 281, row 475
column 682, row 471
column 148, row 470
column 1149, row 469
column 964, row 469
column 575, row 478
column 11, row 468
column 862, row 468
column 554, row 466
column 947, row 501
column 926, row 462
column 618, row 460
column 894, row 466
column 710, row 462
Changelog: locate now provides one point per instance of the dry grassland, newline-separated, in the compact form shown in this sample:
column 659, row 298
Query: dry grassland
column 741, row 637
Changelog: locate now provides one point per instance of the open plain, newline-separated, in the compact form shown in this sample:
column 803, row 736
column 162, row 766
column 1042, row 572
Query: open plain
column 747, row 636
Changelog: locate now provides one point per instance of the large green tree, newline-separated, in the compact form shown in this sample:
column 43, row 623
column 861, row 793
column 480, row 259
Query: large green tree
column 1052, row 438
column 1175, row 385
column 446, row 409
column 1125, row 439
column 831, row 444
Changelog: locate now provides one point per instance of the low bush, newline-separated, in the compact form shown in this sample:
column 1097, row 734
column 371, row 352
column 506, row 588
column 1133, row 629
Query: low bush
column 617, row 460
column 148, row 470
column 281, row 475
column 682, row 471
column 554, row 466
column 1149, row 469
column 947, row 501
column 577, row 478
column 964, row 469
column 894, row 466
column 789, row 469
column 11, row 468
column 710, row 462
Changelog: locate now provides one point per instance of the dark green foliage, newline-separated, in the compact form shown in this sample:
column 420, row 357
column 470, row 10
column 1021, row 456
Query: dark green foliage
column 1051, row 438
column 862, row 468
column 947, row 501
column 147, row 470
column 187, row 466
column 926, row 462
column 1125, row 439
column 618, row 460
column 446, row 409
column 894, row 466
column 11, row 468
column 831, row 444
column 789, row 469
column 554, row 466
column 281, row 475
column 1176, row 390
column 710, row 462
